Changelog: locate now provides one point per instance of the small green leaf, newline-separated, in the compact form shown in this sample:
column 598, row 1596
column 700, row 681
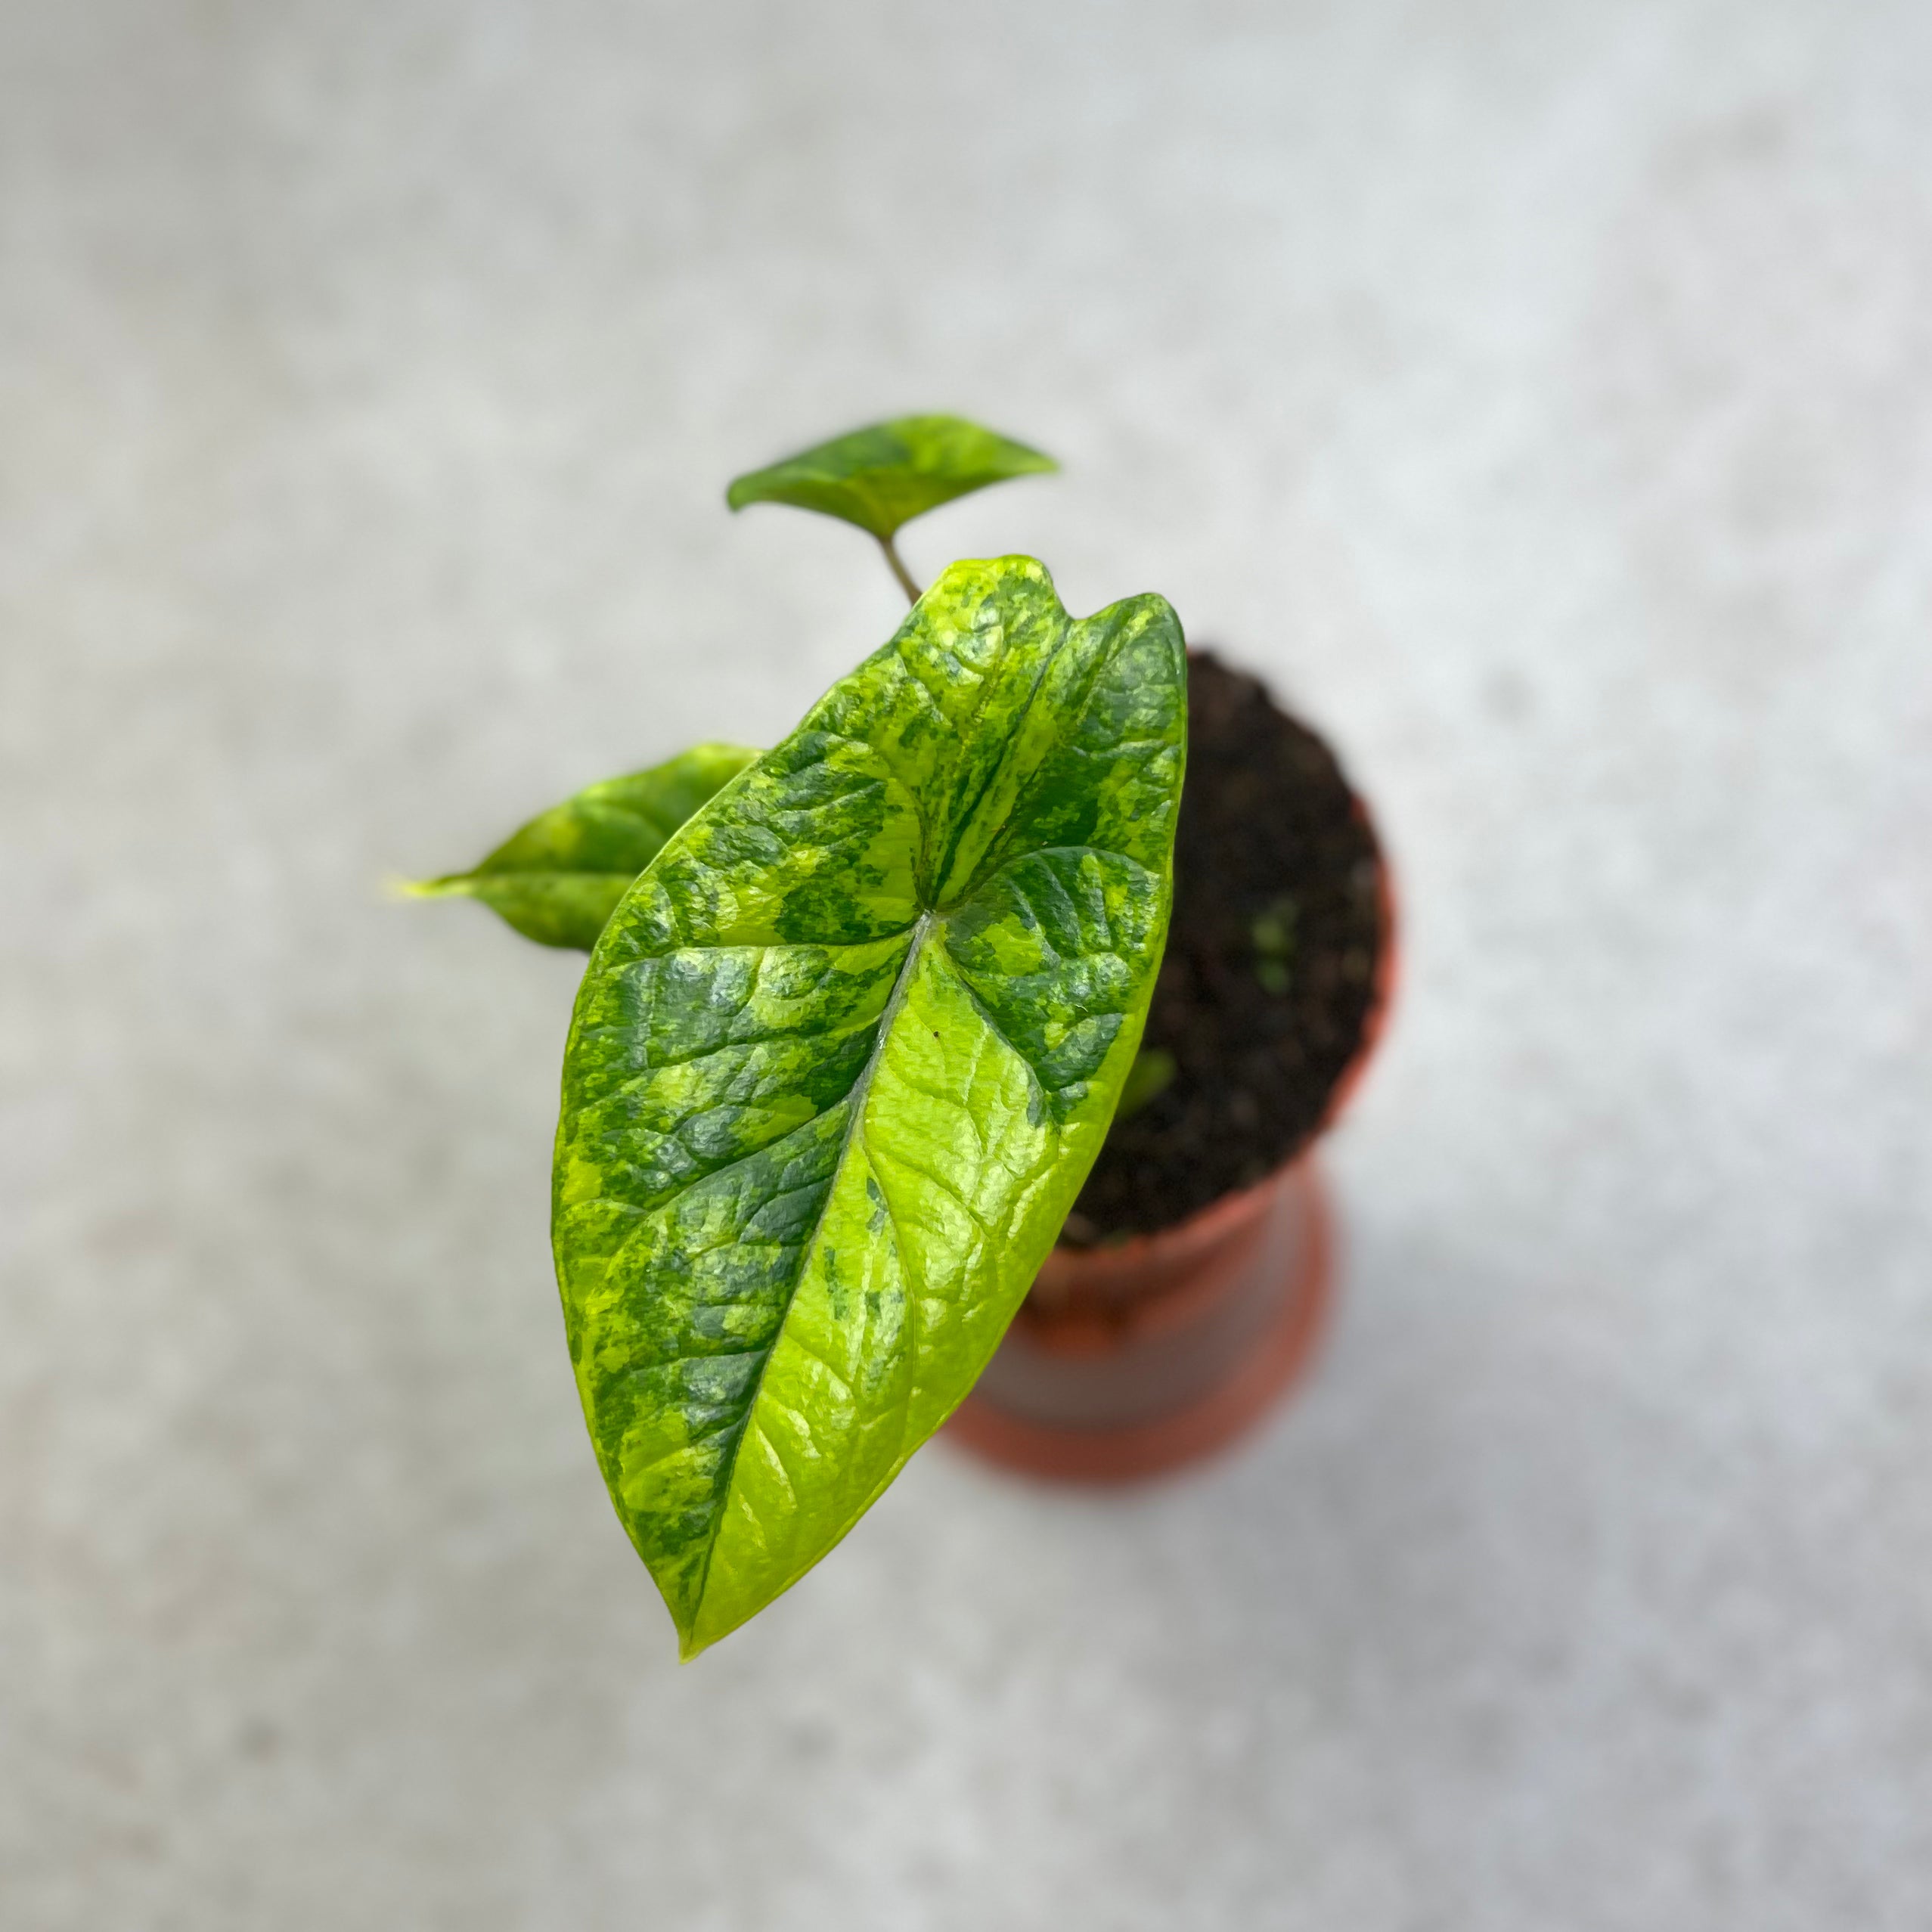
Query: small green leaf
column 1272, row 931
column 883, row 476
column 840, row 1062
column 557, row 878
column 1151, row 1075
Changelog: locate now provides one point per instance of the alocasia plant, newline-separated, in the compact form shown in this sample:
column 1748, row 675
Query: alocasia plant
column 842, row 1056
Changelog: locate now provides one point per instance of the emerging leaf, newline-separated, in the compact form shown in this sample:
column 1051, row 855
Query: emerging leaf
column 882, row 477
column 840, row 1062
column 558, row 879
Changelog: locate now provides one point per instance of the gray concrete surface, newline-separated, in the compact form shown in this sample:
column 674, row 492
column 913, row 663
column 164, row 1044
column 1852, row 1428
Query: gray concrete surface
column 1541, row 394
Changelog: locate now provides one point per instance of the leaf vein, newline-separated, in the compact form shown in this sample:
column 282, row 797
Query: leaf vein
column 856, row 1099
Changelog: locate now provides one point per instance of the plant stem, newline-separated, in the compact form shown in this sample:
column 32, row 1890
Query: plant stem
column 899, row 569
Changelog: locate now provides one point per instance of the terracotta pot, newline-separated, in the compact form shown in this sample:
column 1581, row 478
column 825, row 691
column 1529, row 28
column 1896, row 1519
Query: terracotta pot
column 1127, row 1361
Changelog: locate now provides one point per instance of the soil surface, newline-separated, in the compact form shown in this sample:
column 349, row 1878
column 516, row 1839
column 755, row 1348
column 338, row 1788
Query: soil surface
column 1270, row 965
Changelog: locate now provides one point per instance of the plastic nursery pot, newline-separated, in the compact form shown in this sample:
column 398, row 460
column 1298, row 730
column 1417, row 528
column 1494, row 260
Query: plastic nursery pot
column 1129, row 1360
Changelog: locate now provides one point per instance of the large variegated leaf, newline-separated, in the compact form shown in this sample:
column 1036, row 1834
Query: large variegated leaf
column 840, row 1062
column 557, row 878
column 881, row 477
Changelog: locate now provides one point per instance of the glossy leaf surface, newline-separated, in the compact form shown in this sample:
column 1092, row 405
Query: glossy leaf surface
column 558, row 879
column 882, row 477
column 840, row 1062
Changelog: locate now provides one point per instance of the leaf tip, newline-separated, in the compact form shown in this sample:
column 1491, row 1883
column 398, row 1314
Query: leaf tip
column 451, row 885
column 694, row 1636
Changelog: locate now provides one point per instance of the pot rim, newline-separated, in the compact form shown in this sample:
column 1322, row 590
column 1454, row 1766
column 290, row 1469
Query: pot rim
column 1133, row 1452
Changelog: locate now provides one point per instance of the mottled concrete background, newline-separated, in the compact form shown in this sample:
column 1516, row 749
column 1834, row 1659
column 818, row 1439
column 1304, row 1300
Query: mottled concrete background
column 1541, row 394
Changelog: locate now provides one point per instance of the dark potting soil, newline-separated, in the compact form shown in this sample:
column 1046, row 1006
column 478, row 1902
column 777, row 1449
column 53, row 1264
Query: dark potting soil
column 1270, row 965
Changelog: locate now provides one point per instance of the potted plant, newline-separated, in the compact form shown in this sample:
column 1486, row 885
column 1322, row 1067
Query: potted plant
column 859, row 1014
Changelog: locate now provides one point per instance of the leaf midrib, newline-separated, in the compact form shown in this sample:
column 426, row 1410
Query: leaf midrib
column 861, row 1089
